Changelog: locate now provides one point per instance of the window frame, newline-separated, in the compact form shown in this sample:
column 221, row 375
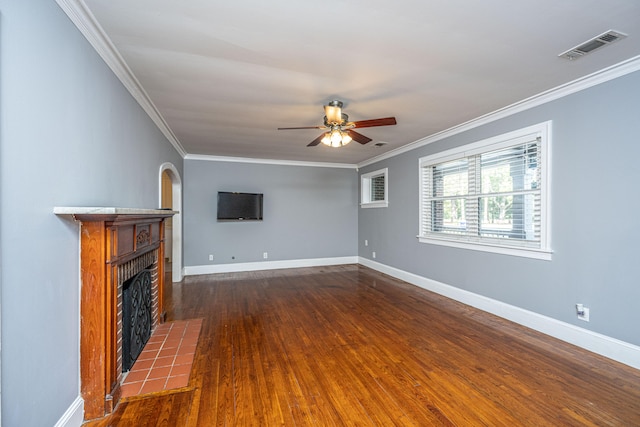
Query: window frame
column 541, row 132
column 365, row 189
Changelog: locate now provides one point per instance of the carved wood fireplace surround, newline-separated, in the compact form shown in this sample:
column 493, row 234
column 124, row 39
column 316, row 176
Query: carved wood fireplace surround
column 115, row 245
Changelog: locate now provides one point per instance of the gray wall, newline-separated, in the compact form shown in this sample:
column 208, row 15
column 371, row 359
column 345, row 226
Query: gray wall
column 309, row 212
column 594, row 203
column 64, row 117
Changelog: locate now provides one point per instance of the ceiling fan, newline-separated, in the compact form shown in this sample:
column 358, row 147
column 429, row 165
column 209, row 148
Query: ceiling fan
column 340, row 130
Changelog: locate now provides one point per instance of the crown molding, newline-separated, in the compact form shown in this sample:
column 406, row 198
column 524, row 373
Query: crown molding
column 269, row 161
column 618, row 70
column 84, row 20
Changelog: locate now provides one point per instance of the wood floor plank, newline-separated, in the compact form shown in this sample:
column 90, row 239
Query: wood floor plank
column 166, row 409
column 345, row 345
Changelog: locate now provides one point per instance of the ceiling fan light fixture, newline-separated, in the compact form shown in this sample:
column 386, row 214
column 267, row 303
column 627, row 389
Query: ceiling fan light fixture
column 339, row 130
column 333, row 112
column 336, row 138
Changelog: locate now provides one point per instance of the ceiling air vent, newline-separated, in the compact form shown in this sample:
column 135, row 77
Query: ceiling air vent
column 593, row 44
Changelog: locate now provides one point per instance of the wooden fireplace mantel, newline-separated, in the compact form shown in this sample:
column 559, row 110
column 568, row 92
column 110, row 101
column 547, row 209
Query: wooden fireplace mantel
column 110, row 237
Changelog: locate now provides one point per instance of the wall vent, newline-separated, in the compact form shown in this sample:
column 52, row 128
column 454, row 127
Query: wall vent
column 593, row 44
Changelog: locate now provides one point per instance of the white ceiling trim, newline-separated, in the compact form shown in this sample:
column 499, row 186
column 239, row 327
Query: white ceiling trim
column 84, row 20
column 623, row 68
column 270, row 161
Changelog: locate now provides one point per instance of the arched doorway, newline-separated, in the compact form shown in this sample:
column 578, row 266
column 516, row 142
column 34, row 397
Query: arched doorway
column 171, row 197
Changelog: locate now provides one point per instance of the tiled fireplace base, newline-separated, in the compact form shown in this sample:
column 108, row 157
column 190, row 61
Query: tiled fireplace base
column 165, row 363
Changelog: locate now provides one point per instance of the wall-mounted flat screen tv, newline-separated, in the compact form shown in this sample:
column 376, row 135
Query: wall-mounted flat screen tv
column 239, row 206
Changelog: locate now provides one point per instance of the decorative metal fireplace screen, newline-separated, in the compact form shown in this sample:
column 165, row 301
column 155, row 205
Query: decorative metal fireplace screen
column 136, row 317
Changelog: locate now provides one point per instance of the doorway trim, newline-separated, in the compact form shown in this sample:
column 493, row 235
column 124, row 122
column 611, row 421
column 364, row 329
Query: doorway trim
column 176, row 205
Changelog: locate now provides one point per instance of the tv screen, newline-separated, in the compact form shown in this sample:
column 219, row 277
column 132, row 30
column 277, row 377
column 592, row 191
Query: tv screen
column 239, row 206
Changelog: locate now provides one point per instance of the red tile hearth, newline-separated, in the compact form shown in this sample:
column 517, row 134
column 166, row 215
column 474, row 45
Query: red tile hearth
column 165, row 363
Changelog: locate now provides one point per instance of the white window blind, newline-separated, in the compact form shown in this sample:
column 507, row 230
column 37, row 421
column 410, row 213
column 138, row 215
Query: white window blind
column 491, row 193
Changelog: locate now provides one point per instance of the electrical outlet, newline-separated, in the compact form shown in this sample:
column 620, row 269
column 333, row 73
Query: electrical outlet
column 585, row 315
column 373, row 254
column 366, row 243
column 582, row 312
column 265, row 255
column 210, row 257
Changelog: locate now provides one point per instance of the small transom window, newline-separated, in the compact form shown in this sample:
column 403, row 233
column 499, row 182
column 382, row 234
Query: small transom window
column 374, row 187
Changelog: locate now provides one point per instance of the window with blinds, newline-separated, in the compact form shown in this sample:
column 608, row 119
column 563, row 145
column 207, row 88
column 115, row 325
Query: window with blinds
column 489, row 195
column 373, row 189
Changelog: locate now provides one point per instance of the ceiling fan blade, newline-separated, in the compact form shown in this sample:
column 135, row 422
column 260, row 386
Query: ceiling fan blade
column 316, row 141
column 359, row 137
column 386, row 121
column 304, row 127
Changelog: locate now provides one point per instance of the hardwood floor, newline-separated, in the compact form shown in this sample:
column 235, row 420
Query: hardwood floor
column 346, row 345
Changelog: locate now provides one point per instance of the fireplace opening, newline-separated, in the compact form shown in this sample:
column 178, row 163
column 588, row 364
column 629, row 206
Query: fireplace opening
column 136, row 317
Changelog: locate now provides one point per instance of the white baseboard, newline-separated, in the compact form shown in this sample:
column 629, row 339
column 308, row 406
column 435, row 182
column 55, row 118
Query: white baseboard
column 267, row 265
column 612, row 348
column 74, row 415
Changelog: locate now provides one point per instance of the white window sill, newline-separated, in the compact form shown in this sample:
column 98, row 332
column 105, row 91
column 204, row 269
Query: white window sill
column 374, row 205
column 504, row 250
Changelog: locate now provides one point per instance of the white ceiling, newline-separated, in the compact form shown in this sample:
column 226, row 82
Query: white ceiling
column 225, row 74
